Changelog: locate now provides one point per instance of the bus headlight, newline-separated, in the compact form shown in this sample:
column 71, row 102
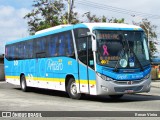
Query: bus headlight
column 104, row 77
column 146, row 77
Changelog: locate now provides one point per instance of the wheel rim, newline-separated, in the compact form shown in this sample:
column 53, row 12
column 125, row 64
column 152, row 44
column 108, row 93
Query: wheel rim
column 73, row 88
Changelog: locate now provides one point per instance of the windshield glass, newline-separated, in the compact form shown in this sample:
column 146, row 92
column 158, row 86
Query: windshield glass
column 127, row 48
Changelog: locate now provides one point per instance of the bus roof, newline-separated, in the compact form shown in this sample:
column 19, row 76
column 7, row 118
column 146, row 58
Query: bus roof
column 91, row 26
column 112, row 26
column 51, row 29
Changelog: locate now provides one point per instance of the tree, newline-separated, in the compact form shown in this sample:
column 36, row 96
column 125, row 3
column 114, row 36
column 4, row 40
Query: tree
column 150, row 32
column 50, row 13
column 44, row 15
column 115, row 20
column 93, row 18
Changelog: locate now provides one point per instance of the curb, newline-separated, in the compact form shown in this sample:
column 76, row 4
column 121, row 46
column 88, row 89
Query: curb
column 3, row 82
column 155, row 84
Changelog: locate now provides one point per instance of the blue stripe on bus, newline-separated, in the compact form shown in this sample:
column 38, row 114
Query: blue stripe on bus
column 47, row 68
column 123, row 76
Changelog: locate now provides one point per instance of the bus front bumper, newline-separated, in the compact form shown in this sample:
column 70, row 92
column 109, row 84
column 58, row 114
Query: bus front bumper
column 122, row 87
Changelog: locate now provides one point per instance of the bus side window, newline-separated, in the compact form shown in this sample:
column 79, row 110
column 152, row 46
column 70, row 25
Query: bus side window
column 12, row 55
column 61, row 45
column 29, row 49
column 69, row 45
column 41, row 47
column 20, row 46
column 51, row 45
column 7, row 52
column 56, row 46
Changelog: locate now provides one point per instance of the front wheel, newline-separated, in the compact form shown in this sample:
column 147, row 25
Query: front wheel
column 23, row 84
column 72, row 89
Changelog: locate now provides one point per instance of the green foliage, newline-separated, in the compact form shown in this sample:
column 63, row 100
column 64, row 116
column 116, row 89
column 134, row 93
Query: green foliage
column 46, row 14
column 93, row 18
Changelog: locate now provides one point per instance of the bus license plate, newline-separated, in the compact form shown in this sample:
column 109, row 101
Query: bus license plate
column 129, row 91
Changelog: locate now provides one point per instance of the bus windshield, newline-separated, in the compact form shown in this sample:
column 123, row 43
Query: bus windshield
column 126, row 49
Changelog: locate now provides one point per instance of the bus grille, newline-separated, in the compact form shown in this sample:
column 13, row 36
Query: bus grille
column 126, row 82
column 124, row 89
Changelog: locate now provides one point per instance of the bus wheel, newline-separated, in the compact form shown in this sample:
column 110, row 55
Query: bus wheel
column 116, row 96
column 23, row 84
column 72, row 89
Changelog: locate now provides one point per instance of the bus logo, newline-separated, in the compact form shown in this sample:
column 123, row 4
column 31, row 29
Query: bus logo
column 129, row 82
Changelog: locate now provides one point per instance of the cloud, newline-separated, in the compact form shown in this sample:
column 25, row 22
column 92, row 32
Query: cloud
column 12, row 24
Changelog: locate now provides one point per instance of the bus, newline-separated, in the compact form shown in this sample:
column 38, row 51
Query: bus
column 87, row 58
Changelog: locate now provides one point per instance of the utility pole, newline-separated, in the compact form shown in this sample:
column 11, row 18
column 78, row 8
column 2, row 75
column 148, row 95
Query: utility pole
column 69, row 9
column 147, row 28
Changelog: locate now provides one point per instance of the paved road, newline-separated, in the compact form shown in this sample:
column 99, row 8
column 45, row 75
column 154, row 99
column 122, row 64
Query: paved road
column 13, row 99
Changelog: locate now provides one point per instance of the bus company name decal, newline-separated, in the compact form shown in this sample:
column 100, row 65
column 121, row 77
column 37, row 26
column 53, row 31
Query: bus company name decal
column 55, row 65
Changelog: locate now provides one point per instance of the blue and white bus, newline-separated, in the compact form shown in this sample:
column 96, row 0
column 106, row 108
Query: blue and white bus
column 90, row 58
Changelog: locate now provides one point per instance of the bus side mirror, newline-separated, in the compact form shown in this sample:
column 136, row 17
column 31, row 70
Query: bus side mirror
column 94, row 43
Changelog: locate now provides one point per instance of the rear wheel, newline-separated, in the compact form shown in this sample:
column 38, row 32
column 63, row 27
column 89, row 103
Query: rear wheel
column 116, row 96
column 23, row 84
column 72, row 89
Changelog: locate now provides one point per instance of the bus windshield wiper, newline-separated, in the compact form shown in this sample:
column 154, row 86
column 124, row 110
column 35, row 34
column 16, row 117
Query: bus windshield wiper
column 126, row 48
column 120, row 56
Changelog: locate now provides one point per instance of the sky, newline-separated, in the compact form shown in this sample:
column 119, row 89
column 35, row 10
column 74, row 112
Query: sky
column 13, row 26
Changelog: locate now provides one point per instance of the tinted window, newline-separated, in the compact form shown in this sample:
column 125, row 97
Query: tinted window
column 69, row 44
column 21, row 50
column 29, row 50
column 60, row 45
column 52, row 41
column 10, row 55
column 40, row 47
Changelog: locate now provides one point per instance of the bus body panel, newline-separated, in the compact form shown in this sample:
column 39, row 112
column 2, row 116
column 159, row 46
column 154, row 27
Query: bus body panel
column 87, row 83
column 43, row 73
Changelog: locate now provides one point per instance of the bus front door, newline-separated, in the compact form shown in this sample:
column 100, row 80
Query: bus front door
column 85, row 58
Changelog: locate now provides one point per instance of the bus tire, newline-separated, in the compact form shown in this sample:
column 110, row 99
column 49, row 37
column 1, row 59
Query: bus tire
column 23, row 84
column 116, row 96
column 72, row 89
